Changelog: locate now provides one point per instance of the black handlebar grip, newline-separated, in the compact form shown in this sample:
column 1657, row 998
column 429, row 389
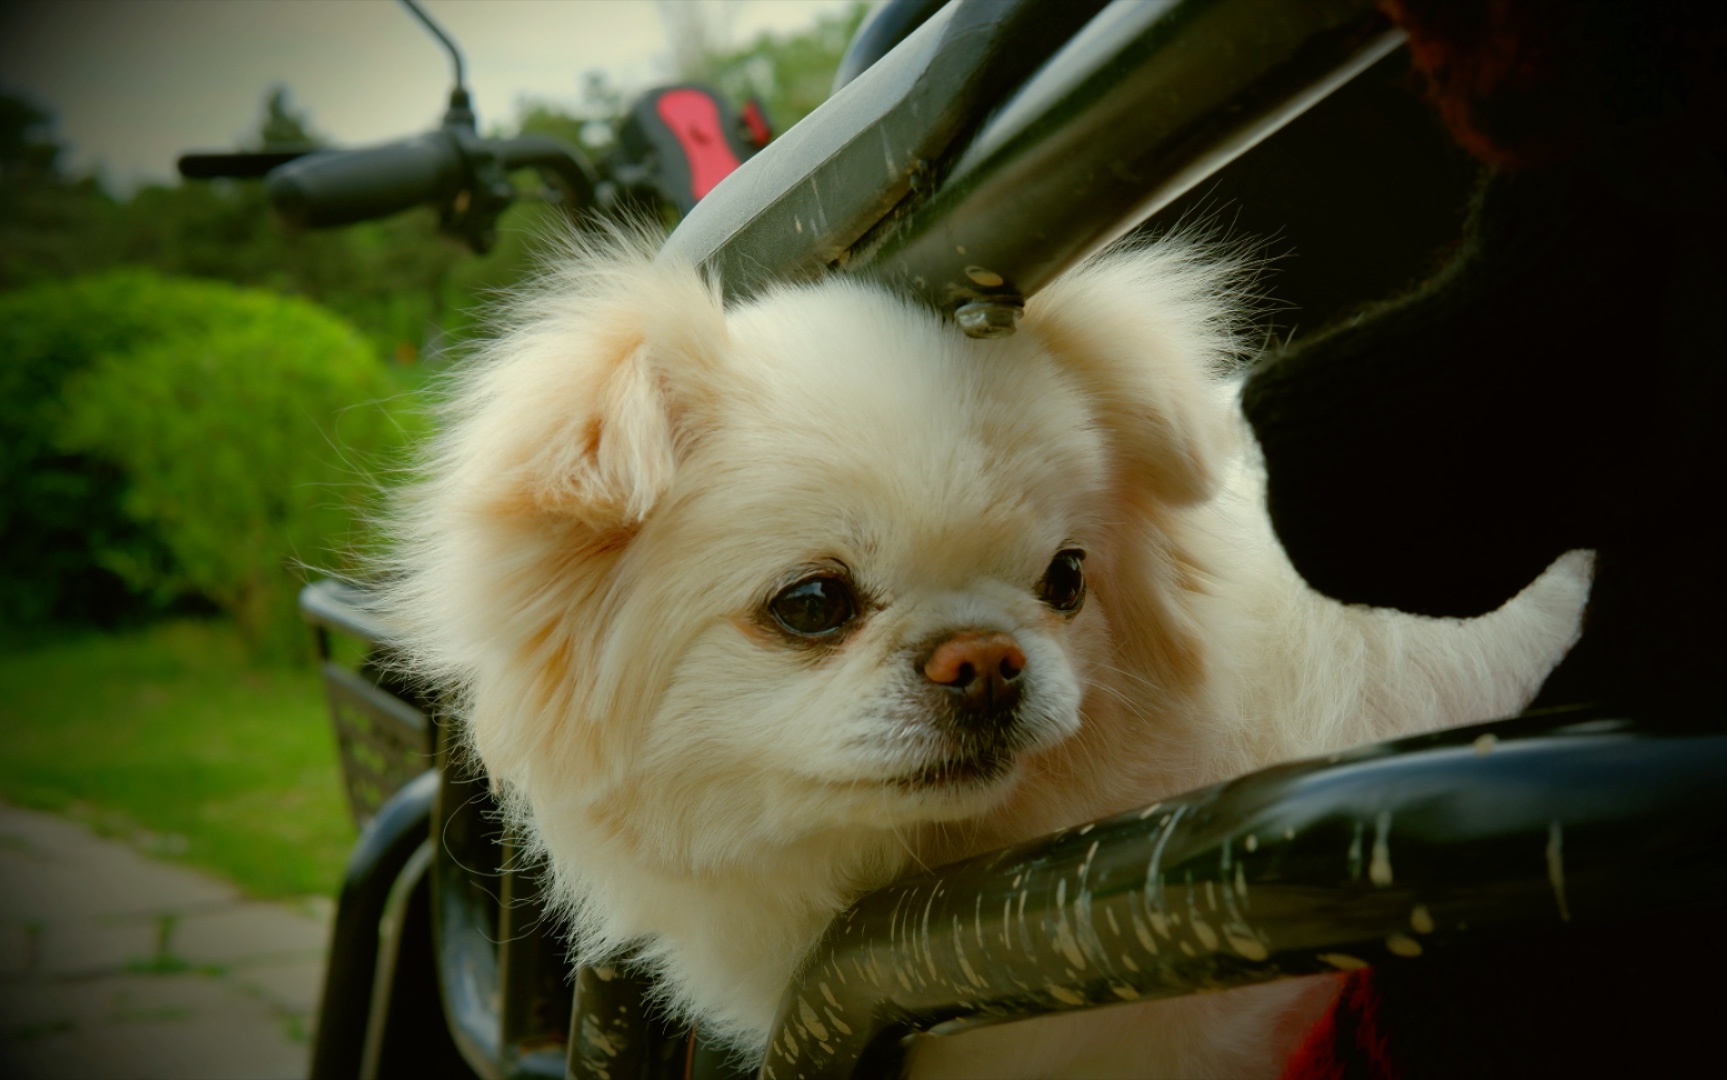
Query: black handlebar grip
column 251, row 165
column 340, row 187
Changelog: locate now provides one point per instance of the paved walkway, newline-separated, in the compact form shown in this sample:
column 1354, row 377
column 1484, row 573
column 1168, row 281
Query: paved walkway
column 115, row 965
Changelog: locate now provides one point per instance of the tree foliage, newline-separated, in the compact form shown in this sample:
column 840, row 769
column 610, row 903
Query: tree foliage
column 397, row 280
column 792, row 74
column 389, row 277
column 285, row 126
column 171, row 441
column 47, row 219
column 58, row 509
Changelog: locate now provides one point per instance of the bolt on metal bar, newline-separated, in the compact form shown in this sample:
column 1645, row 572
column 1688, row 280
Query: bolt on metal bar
column 1147, row 101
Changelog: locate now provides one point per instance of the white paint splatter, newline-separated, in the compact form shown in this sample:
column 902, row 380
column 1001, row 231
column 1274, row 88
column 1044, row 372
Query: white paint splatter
column 1143, row 933
column 1207, row 936
column 1064, row 995
column 811, row 1021
column 837, row 1022
column 1245, row 944
column 1379, row 869
column 1556, row 867
column 1421, row 919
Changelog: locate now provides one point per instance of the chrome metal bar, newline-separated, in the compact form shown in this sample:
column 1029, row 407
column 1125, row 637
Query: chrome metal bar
column 795, row 209
column 1467, row 838
column 1148, row 100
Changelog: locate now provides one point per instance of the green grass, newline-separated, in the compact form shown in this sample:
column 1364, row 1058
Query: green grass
column 171, row 737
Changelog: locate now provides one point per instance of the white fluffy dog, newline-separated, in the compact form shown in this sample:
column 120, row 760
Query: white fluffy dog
column 753, row 610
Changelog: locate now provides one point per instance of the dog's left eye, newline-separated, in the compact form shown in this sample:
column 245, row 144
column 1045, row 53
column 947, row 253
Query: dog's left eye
column 1064, row 582
column 814, row 607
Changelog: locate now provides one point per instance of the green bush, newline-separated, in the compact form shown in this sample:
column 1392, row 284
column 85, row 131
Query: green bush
column 212, row 439
column 58, row 508
column 247, row 449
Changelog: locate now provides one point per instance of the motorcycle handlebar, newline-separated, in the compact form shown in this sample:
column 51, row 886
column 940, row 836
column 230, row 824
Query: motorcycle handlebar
column 340, row 187
column 253, row 165
column 549, row 155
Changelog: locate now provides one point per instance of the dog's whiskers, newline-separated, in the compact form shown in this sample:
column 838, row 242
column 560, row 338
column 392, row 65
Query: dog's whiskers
column 921, row 865
column 1138, row 709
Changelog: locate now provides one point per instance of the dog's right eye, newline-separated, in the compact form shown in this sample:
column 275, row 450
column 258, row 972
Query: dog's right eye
column 1064, row 582
column 814, row 607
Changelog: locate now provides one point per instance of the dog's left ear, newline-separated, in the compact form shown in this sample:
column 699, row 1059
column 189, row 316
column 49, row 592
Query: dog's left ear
column 1148, row 332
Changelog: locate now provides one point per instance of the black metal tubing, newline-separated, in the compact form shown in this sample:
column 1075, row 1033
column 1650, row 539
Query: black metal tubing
column 800, row 204
column 465, row 911
column 482, row 960
column 616, row 1033
column 332, row 604
column 452, row 168
column 887, row 26
column 501, row 967
column 1379, row 856
column 386, row 845
column 339, row 187
column 552, row 157
column 535, row 999
column 242, row 165
column 1120, row 118
column 443, row 39
column 1145, row 102
column 406, row 1034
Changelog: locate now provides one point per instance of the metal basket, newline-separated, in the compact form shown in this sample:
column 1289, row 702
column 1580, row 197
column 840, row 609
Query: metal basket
column 382, row 726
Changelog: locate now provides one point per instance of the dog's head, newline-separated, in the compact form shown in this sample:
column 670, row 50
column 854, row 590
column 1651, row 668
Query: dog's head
column 722, row 579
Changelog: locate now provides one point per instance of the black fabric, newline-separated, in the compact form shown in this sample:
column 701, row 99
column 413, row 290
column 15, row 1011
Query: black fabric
column 1556, row 387
column 1578, row 1004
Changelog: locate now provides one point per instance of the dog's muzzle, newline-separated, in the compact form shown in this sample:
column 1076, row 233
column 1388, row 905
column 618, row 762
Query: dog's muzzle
column 979, row 675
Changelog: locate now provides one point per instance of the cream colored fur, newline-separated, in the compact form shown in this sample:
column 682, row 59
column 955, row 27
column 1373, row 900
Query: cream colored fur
column 629, row 472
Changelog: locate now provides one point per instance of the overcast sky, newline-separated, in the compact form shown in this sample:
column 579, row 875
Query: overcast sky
column 133, row 83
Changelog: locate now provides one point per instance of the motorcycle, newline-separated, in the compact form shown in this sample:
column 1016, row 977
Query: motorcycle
column 1018, row 135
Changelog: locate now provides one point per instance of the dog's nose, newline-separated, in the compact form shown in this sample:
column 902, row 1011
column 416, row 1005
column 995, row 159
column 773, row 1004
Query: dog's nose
column 981, row 670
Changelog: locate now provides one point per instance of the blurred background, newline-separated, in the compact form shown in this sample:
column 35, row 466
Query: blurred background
column 200, row 409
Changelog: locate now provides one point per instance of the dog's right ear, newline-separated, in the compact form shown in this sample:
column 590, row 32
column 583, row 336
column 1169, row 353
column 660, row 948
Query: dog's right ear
column 597, row 392
column 1148, row 331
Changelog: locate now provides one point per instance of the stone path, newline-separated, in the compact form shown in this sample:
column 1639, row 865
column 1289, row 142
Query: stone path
column 115, row 965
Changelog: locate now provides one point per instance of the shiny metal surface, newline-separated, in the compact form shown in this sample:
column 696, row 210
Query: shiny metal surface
column 795, row 209
column 1152, row 97
column 1379, row 856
